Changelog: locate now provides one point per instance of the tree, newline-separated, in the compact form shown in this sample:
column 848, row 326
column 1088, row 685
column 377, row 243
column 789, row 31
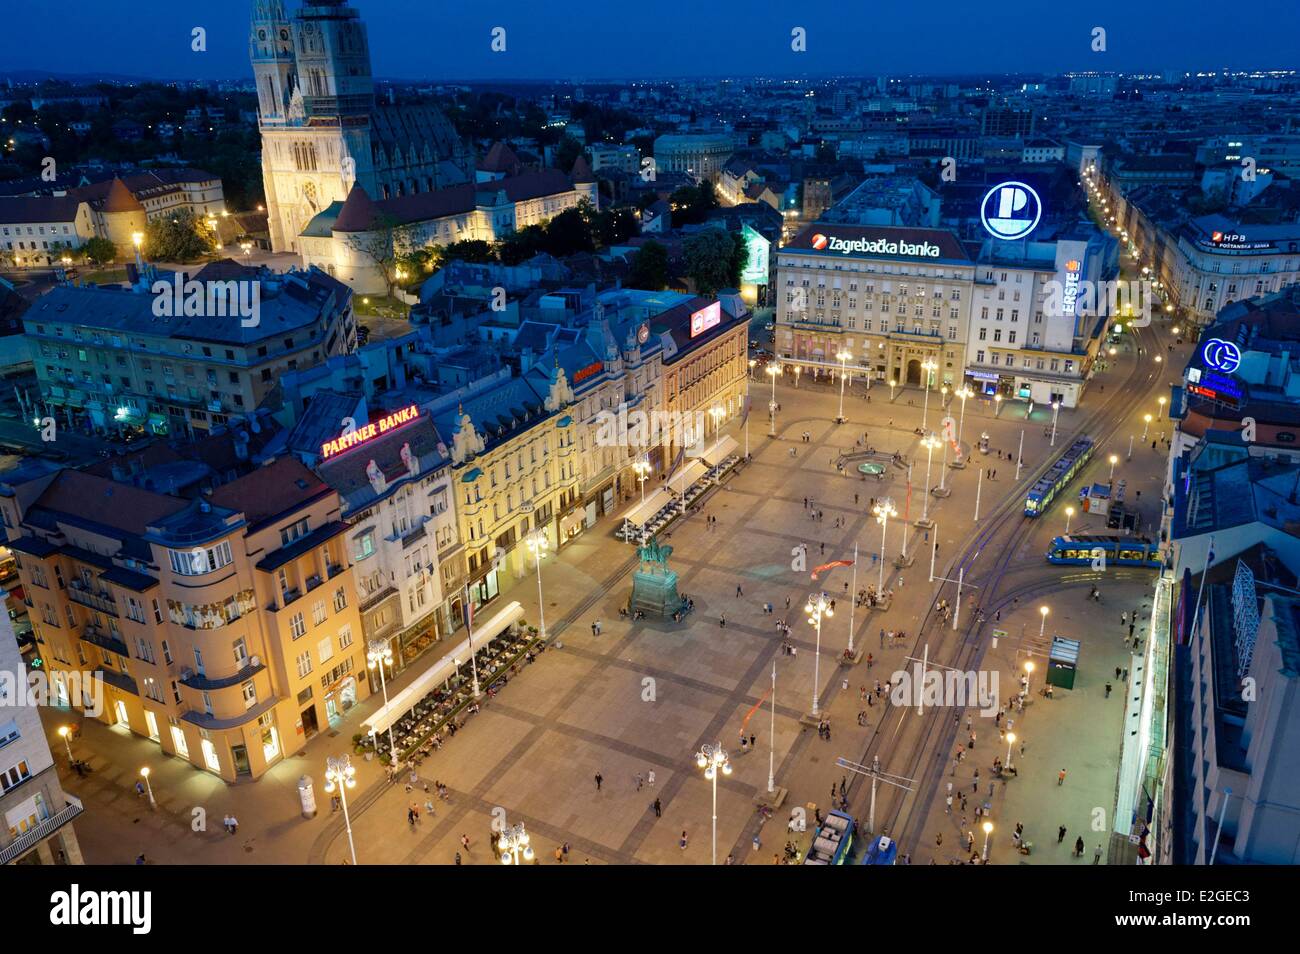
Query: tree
column 567, row 153
column 649, row 270
column 517, row 247
column 568, row 233
column 615, row 226
column 692, row 204
column 469, row 250
column 387, row 244
column 714, row 259
column 99, row 251
column 179, row 237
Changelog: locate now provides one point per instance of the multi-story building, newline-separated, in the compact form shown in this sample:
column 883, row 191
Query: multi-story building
column 699, row 155
column 609, row 157
column 37, row 812
column 37, row 231
column 1217, row 261
column 895, row 298
column 1030, row 337
column 322, row 131
column 224, row 628
column 117, row 358
column 393, row 477
column 355, row 240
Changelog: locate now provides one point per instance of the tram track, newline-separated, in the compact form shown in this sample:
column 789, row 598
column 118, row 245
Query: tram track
column 908, row 811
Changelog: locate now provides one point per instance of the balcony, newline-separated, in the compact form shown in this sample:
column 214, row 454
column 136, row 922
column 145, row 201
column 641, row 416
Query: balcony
column 40, row 832
column 103, row 601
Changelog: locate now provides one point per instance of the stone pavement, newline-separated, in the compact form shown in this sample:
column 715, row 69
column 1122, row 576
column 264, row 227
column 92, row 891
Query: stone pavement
column 640, row 697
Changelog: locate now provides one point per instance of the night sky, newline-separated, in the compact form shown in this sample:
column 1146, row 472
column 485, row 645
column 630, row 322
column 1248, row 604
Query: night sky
column 591, row 39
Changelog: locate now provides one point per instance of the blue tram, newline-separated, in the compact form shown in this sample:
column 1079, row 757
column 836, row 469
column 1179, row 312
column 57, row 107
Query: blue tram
column 1084, row 549
column 1062, row 471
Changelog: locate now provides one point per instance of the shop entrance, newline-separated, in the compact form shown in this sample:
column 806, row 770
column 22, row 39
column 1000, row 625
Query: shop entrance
column 309, row 725
column 914, row 371
column 239, row 755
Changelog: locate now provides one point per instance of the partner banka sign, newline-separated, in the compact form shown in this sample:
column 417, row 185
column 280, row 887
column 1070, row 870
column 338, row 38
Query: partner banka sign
column 1010, row 211
column 880, row 246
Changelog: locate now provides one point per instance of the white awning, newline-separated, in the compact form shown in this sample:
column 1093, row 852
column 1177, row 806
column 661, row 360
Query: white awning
column 723, row 448
column 642, row 512
column 693, row 472
column 441, row 670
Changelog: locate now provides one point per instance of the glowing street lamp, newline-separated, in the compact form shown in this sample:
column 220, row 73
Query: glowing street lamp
column 883, row 510
column 713, row 760
column 538, row 544
column 717, row 413
column 893, row 383
column 148, row 787
column 963, row 392
column 642, row 468
column 65, row 733
column 1114, row 459
column 928, row 367
column 817, row 607
column 1056, row 409
column 773, row 370
column 514, row 844
column 1029, row 667
column 1069, row 512
column 997, row 404
column 137, row 239
column 1161, row 401
column 1011, row 740
column 843, row 356
column 1146, row 421
column 1042, row 611
column 379, row 654
column 988, row 830
column 340, row 774
column 929, row 442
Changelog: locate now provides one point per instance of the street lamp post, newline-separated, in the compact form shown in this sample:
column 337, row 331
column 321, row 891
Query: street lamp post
column 1114, row 459
column 893, row 383
column 1056, row 408
column 1146, row 424
column 340, row 774
column 773, row 370
column 1029, row 670
column 963, row 392
column 1069, row 512
column 713, row 760
column 642, row 468
column 538, row 544
column 379, row 654
column 1042, row 624
column 65, row 733
column 883, row 511
column 1160, row 413
column 513, row 844
column 771, row 754
column 817, row 607
column 988, row 830
column 844, row 356
column 1011, row 740
column 148, row 786
column 137, row 239
column 929, row 442
column 997, row 404
column 717, row 413
column 928, row 367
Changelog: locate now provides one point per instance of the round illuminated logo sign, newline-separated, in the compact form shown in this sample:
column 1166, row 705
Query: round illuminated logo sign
column 819, row 241
column 1010, row 211
column 1221, row 355
column 643, row 334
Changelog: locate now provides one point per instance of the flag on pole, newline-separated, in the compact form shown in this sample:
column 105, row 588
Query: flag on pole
column 830, row 566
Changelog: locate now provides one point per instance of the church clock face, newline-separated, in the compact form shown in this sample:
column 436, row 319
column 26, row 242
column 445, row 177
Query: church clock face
column 284, row 35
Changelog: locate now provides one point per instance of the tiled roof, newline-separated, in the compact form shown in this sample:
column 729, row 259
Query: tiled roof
column 279, row 488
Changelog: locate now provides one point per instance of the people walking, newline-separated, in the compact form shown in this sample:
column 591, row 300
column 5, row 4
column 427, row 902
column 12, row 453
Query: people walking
column 1060, row 834
column 1060, row 777
column 600, row 778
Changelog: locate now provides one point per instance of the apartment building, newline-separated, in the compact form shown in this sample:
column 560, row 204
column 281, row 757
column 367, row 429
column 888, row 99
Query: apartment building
column 168, row 363
column 224, row 628
column 37, row 231
column 37, row 812
column 896, row 299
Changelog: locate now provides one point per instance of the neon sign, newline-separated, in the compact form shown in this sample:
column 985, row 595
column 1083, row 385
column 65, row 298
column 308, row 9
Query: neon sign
column 1221, row 355
column 880, row 246
column 349, row 439
column 706, row 318
column 1010, row 210
column 1071, row 290
column 583, row 373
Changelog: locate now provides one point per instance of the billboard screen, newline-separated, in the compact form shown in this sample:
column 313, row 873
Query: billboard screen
column 706, row 318
column 758, row 250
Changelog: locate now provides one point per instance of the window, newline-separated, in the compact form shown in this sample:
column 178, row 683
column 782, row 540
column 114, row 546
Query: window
column 318, row 613
column 249, row 691
column 297, row 626
column 241, row 653
column 363, row 544
column 304, row 663
column 345, row 637
column 325, row 650
column 293, row 532
column 200, row 560
column 15, row 775
column 340, row 600
column 167, row 652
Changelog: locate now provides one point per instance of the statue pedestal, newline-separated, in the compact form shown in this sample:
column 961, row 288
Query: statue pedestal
column 654, row 592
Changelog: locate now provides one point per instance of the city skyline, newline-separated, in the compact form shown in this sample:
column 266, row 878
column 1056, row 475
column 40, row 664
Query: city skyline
column 839, row 43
